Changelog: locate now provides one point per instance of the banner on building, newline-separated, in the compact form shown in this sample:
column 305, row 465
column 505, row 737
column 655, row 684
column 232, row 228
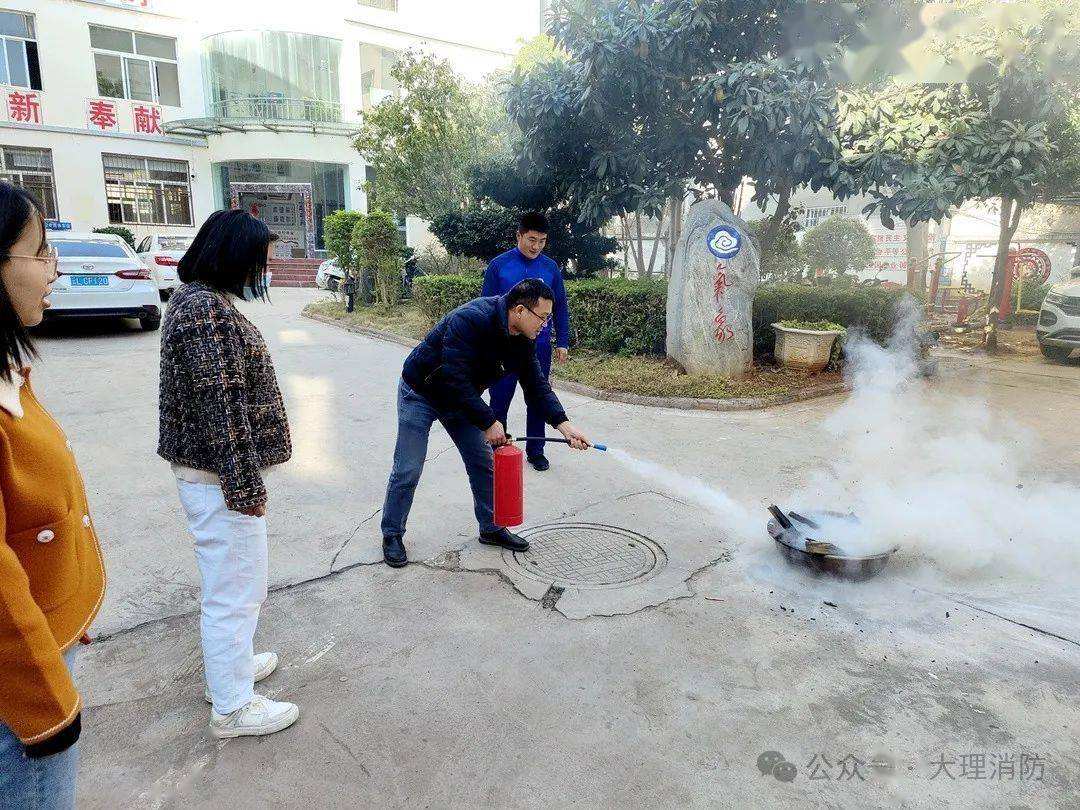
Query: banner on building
column 146, row 119
column 23, row 106
column 102, row 115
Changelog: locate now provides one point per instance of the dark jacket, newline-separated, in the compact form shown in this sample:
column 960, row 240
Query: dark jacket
column 466, row 353
column 507, row 269
column 220, row 406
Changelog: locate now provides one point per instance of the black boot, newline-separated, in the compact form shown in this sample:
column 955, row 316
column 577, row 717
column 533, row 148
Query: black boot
column 394, row 553
column 504, row 538
column 540, row 463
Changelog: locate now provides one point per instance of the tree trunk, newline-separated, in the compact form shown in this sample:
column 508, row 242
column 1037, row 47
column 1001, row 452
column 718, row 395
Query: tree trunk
column 942, row 243
column 639, row 244
column 633, row 242
column 1008, row 222
column 674, row 234
column 918, row 256
column 656, row 242
column 775, row 222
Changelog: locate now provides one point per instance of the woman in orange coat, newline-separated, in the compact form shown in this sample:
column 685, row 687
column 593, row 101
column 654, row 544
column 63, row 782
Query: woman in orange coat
column 52, row 580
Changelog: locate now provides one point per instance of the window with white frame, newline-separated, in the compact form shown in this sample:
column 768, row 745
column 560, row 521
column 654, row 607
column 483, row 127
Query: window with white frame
column 147, row 191
column 385, row 5
column 32, row 170
column 377, row 82
column 19, row 64
column 815, row 216
column 140, row 67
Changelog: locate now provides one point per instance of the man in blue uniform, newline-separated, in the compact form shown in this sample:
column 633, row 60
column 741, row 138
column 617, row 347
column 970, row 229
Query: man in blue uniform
column 519, row 263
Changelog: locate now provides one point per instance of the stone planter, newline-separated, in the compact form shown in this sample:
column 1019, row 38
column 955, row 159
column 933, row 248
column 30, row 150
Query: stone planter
column 805, row 349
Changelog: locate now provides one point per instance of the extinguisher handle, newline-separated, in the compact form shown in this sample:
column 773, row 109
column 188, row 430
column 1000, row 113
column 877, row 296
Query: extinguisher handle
column 602, row 447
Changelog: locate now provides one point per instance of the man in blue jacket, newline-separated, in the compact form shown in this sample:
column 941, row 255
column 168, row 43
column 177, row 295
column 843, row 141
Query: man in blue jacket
column 527, row 261
column 470, row 349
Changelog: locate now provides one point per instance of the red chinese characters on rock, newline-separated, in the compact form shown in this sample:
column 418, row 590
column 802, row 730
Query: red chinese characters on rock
column 102, row 114
column 24, row 108
column 721, row 328
column 148, row 119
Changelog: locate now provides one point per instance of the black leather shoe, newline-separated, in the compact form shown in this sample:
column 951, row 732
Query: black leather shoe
column 540, row 463
column 393, row 550
column 506, row 539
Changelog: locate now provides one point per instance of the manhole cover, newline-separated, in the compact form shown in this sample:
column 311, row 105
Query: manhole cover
column 587, row 555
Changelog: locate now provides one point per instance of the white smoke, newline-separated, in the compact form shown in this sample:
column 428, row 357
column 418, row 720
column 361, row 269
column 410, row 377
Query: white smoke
column 736, row 517
column 938, row 474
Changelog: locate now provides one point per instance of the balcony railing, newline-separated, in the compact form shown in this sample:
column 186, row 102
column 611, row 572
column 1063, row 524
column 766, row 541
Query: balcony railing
column 273, row 108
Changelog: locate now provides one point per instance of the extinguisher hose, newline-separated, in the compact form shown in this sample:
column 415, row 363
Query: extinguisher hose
column 601, row 447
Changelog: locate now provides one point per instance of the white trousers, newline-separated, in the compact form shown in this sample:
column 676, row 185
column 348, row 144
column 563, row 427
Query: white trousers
column 232, row 555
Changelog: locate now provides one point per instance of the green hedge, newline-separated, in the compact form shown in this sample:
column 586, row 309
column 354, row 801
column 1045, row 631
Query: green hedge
column 437, row 295
column 871, row 309
column 629, row 317
column 618, row 316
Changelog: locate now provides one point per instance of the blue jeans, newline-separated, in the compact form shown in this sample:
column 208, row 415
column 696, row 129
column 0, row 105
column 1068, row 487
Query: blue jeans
column 415, row 417
column 502, row 394
column 37, row 784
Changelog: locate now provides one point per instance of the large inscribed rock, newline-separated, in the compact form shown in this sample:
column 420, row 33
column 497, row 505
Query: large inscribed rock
column 711, row 293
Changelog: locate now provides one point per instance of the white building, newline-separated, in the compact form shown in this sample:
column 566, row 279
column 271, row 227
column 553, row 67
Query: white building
column 968, row 241
column 153, row 113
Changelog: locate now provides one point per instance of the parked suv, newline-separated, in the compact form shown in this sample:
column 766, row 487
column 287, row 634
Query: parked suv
column 1059, row 319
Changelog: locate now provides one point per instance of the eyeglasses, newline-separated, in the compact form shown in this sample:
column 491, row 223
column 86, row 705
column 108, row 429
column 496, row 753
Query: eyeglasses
column 50, row 257
column 543, row 318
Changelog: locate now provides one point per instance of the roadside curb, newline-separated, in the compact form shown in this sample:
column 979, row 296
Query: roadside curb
column 676, row 403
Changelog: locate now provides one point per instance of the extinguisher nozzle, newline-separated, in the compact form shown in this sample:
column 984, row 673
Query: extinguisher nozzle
column 601, row 447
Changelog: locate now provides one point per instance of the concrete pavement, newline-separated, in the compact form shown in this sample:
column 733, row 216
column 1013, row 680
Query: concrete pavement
column 451, row 684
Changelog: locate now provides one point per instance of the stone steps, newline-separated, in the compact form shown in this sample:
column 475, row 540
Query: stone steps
column 293, row 272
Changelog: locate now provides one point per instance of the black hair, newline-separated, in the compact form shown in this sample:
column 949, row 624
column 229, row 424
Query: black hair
column 17, row 209
column 533, row 221
column 229, row 254
column 529, row 292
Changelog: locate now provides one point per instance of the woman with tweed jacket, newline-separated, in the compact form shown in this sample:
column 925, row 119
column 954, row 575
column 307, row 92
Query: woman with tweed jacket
column 222, row 424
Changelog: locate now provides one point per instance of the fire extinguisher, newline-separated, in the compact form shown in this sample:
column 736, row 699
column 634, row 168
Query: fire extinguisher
column 509, row 486
column 510, row 480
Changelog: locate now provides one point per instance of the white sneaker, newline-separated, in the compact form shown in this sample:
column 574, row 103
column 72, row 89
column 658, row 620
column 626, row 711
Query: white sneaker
column 261, row 716
column 265, row 663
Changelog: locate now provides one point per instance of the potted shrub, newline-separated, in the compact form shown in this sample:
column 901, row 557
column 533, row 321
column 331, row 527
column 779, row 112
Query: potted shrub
column 808, row 345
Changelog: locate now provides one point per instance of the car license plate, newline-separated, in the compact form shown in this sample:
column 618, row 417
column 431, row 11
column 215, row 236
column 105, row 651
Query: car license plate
column 89, row 281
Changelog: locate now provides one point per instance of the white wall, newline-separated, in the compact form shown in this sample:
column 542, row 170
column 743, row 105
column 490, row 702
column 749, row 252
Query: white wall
column 80, row 179
column 477, row 36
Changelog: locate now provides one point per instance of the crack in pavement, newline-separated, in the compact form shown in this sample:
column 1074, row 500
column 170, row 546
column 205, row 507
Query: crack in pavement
column 351, row 536
column 285, row 586
column 346, row 748
column 989, row 612
column 688, row 582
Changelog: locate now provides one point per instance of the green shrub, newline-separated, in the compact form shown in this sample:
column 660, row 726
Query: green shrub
column 438, row 295
column 338, row 229
column 813, row 326
column 1031, row 297
column 618, row 315
column 119, row 230
column 871, row 309
column 839, row 245
column 782, row 261
column 377, row 244
column 626, row 317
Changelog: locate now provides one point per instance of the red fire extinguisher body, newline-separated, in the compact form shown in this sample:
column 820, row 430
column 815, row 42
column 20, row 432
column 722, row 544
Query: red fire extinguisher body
column 509, row 486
